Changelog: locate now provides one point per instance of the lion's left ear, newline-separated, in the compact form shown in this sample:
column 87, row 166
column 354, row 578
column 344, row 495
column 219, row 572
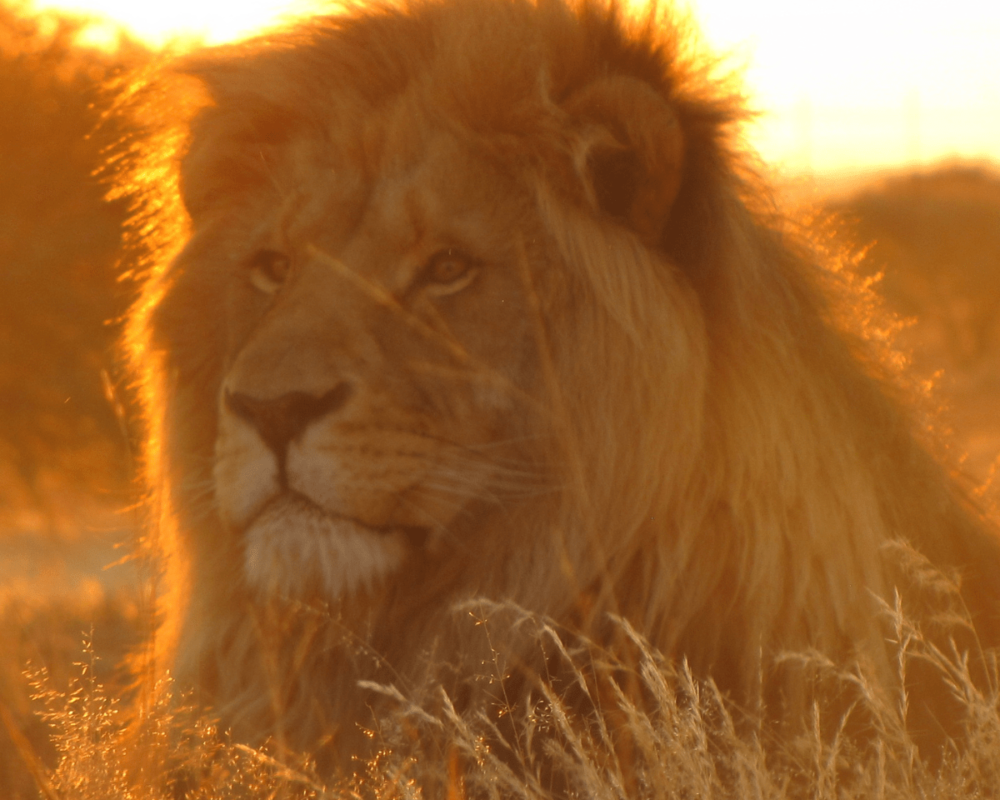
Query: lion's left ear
column 634, row 158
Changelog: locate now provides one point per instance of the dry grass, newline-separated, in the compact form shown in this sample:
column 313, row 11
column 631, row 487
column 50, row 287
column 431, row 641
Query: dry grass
column 599, row 725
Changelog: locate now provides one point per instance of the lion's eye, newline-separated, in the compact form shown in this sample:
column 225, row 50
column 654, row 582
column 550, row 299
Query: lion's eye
column 448, row 271
column 269, row 269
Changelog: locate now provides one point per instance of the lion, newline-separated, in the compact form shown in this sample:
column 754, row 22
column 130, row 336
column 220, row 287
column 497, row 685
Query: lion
column 461, row 299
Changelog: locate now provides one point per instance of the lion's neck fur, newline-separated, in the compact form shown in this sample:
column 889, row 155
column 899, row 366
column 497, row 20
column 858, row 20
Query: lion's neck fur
column 766, row 492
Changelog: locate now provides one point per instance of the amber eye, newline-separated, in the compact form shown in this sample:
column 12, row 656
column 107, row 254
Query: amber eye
column 269, row 269
column 449, row 271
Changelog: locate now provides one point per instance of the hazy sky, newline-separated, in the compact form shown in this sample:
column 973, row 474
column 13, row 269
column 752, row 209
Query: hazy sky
column 851, row 84
column 854, row 83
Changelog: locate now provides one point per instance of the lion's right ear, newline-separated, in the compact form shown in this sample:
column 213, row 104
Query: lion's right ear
column 633, row 151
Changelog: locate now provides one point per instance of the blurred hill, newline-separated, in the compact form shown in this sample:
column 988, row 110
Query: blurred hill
column 935, row 237
column 59, row 297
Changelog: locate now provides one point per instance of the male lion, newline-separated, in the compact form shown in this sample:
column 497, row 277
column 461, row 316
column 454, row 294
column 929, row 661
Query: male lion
column 478, row 298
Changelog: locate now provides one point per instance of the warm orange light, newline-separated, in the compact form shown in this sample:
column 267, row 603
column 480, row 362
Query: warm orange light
column 177, row 21
column 844, row 85
column 856, row 83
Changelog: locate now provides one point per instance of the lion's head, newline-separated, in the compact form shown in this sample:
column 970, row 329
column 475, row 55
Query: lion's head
column 477, row 298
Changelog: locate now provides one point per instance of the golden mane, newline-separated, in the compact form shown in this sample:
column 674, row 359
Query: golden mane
column 732, row 450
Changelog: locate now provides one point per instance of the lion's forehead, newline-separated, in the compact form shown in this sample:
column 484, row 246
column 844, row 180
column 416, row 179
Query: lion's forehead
column 381, row 203
column 420, row 192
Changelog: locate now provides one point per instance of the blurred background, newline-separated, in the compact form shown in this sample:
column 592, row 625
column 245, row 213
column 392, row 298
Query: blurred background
column 887, row 114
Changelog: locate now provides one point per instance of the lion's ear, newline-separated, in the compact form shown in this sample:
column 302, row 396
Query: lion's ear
column 635, row 153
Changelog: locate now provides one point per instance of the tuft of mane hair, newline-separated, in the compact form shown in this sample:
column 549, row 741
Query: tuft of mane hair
column 726, row 454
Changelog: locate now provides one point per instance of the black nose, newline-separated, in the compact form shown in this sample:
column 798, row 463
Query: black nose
column 281, row 419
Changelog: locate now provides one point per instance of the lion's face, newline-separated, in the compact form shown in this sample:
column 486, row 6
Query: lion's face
column 379, row 360
column 381, row 301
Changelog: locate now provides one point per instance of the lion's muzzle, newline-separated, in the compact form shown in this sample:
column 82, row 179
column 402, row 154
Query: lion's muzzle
column 293, row 548
column 327, row 498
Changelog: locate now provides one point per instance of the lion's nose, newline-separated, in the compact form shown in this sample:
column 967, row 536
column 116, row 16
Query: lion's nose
column 281, row 419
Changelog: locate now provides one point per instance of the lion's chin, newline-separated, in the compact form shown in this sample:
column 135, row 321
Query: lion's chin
column 295, row 549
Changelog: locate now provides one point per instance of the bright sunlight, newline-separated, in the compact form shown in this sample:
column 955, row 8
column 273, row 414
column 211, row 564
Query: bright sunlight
column 160, row 24
column 844, row 87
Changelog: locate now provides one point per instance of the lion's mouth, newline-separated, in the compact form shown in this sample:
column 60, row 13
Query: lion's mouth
column 291, row 503
column 293, row 546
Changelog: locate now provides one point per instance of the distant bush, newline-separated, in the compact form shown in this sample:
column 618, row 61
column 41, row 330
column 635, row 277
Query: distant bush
column 936, row 237
column 59, row 243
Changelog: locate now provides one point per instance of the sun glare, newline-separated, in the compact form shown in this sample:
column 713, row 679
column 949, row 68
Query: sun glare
column 162, row 23
column 842, row 86
column 860, row 83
